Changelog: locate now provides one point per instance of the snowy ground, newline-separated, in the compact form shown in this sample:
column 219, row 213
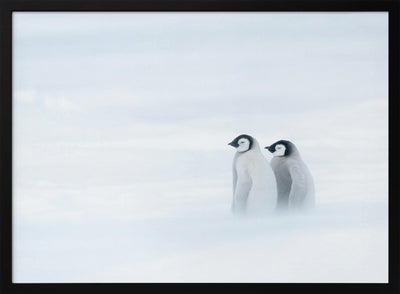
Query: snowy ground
column 201, row 242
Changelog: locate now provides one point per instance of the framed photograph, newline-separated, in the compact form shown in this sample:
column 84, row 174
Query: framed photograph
column 116, row 123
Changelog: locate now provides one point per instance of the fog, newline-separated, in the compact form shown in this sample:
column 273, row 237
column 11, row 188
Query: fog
column 335, row 243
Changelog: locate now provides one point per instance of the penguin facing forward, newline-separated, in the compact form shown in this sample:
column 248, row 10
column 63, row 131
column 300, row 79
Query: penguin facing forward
column 254, row 185
column 293, row 178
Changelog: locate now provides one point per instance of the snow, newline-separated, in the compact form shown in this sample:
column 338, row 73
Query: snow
column 198, row 241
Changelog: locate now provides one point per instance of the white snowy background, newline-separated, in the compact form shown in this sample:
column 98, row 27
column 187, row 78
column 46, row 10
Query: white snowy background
column 121, row 168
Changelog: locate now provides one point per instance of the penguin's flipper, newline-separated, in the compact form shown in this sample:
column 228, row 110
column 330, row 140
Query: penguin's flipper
column 298, row 188
column 240, row 197
column 234, row 174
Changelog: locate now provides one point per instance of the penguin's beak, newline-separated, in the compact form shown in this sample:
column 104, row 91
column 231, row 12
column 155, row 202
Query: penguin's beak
column 233, row 144
column 267, row 147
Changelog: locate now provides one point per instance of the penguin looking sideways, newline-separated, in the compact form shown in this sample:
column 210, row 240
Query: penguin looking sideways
column 254, row 185
column 293, row 178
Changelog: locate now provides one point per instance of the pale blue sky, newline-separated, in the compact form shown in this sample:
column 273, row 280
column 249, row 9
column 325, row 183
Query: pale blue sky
column 124, row 118
column 273, row 61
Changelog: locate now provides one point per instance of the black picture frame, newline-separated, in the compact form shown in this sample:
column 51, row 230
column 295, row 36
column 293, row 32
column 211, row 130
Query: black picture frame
column 8, row 7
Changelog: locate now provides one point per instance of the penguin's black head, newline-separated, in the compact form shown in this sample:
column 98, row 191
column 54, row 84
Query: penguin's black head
column 281, row 148
column 242, row 143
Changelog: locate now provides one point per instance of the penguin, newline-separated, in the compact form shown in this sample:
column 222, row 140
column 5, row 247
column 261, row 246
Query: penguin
column 254, row 184
column 294, row 181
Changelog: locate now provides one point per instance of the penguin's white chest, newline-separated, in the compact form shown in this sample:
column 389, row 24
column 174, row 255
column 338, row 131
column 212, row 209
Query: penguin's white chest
column 243, row 166
column 255, row 183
